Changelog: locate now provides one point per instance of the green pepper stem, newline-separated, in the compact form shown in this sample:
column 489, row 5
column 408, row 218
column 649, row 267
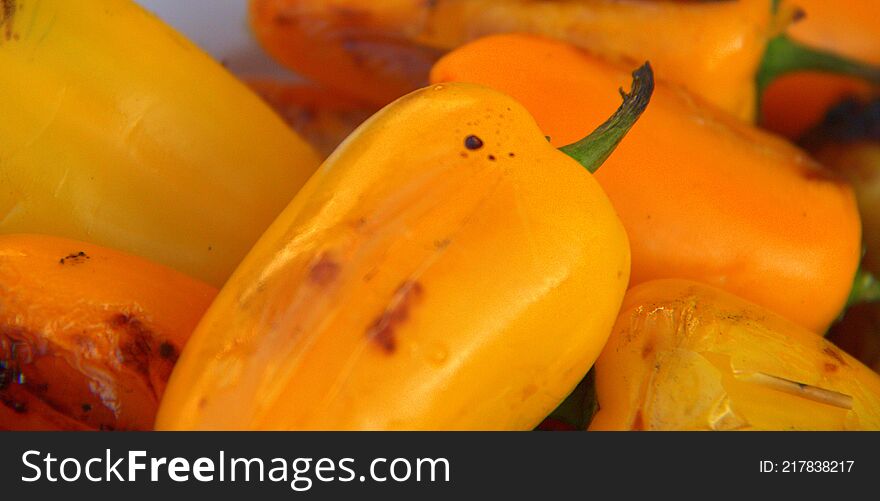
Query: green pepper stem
column 783, row 55
column 865, row 289
column 594, row 149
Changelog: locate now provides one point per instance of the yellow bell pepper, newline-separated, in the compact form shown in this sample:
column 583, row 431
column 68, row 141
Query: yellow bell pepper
column 686, row 356
column 446, row 268
column 118, row 131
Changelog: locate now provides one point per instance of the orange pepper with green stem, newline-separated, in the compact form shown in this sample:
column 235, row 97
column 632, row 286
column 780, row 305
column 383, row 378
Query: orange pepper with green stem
column 702, row 195
column 88, row 335
column 419, row 281
column 796, row 101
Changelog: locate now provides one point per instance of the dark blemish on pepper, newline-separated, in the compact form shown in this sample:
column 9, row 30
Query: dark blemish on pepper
column 831, row 352
column 203, row 402
column 210, row 248
column 9, row 7
column 511, row 154
column 75, row 258
column 830, row 367
column 442, row 244
column 463, row 154
column 547, row 138
column 324, row 271
column 282, row 20
column 168, row 351
column 798, row 15
column 396, row 313
column 638, row 423
column 17, row 406
column 87, row 407
column 136, row 346
column 491, row 158
column 648, row 349
column 472, row 142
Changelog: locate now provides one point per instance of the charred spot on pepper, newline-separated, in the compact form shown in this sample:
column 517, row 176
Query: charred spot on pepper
column 168, row 351
column 74, row 258
column 648, row 349
column 324, row 271
column 473, row 142
column 382, row 330
column 831, row 352
column 9, row 8
column 17, row 406
column 638, row 423
column 86, row 407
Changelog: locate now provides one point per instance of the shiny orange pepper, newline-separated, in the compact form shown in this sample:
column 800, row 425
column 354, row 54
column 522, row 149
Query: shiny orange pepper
column 794, row 103
column 88, row 335
column 701, row 194
column 378, row 51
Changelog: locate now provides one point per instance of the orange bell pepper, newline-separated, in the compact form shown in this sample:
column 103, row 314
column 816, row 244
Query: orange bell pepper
column 88, row 335
column 795, row 102
column 378, row 51
column 702, row 195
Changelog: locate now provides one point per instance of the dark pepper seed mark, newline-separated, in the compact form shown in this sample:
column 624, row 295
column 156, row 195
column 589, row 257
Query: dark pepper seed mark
column 382, row 330
column 325, row 271
column 472, row 142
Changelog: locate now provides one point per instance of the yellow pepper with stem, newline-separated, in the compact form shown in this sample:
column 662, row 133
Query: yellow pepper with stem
column 120, row 132
column 446, row 268
column 687, row 356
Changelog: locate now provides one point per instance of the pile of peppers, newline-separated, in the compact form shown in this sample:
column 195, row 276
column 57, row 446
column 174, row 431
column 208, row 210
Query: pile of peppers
column 463, row 215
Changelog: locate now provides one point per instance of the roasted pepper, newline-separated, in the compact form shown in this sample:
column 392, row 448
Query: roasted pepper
column 848, row 142
column 418, row 283
column 795, row 102
column 380, row 50
column 321, row 116
column 686, row 356
column 702, row 196
column 119, row 131
column 88, row 335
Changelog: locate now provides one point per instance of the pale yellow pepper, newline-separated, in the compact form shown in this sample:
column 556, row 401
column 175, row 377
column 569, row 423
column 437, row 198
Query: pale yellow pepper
column 116, row 130
column 686, row 356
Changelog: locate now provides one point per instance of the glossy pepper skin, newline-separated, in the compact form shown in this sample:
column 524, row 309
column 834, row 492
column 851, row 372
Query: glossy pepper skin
column 848, row 143
column 686, row 356
column 119, row 131
column 794, row 103
column 702, row 195
column 432, row 275
column 88, row 335
column 382, row 50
